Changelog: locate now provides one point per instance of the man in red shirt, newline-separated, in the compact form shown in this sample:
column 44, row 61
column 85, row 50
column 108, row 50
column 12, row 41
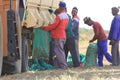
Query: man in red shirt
column 58, row 33
column 101, row 38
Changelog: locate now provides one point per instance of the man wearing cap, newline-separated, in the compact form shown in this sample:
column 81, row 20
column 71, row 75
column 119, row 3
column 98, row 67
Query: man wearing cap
column 59, row 35
column 101, row 38
column 75, row 28
column 114, row 36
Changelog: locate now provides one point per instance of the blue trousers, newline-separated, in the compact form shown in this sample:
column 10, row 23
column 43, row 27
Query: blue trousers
column 103, row 51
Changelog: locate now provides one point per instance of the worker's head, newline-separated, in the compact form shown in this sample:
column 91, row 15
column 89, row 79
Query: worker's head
column 57, row 11
column 88, row 21
column 62, row 5
column 74, row 11
column 115, row 11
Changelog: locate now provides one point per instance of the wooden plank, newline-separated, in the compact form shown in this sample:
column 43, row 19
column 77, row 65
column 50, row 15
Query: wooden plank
column 19, row 62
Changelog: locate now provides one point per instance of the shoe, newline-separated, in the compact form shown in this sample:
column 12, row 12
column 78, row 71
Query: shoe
column 114, row 64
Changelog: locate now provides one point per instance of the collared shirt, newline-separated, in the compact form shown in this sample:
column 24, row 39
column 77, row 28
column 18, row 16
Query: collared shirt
column 114, row 33
column 99, row 33
column 59, row 26
column 75, row 26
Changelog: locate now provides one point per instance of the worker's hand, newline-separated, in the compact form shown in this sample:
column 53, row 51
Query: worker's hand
column 24, row 24
column 90, row 41
column 112, row 42
column 42, row 27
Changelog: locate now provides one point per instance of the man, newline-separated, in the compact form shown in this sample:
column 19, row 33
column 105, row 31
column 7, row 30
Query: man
column 75, row 27
column 114, row 36
column 101, row 38
column 59, row 35
column 70, row 44
column 52, row 55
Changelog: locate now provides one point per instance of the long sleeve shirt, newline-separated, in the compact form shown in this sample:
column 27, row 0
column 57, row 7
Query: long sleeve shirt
column 114, row 33
column 75, row 26
column 99, row 33
column 59, row 26
column 69, row 31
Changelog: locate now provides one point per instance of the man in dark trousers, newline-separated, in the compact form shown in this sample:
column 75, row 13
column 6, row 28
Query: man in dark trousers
column 114, row 36
column 70, row 44
column 75, row 28
column 101, row 38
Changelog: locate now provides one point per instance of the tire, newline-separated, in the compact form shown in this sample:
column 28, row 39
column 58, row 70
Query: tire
column 1, row 45
column 10, row 67
column 24, row 54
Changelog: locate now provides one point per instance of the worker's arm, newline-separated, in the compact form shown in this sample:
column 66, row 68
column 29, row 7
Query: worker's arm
column 52, row 26
column 96, row 34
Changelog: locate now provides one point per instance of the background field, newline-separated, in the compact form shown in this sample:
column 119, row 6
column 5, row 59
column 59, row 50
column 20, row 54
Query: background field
column 107, row 72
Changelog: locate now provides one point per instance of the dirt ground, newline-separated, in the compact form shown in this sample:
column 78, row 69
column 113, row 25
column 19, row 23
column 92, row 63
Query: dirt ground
column 107, row 72
column 96, row 73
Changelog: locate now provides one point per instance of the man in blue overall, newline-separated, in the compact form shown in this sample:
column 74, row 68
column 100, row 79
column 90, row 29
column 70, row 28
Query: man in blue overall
column 114, row 36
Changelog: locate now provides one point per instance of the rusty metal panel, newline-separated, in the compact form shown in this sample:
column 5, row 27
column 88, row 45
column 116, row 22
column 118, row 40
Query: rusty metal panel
column 4, row 7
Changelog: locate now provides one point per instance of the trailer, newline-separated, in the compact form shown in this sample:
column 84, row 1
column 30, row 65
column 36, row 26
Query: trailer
column 15, row 43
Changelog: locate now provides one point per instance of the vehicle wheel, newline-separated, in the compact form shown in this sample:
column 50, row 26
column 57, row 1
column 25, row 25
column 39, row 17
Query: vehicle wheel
column 1, row 45
column 24, row 54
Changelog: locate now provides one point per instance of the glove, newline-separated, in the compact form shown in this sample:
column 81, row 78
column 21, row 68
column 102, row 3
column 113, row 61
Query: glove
column 112, row 42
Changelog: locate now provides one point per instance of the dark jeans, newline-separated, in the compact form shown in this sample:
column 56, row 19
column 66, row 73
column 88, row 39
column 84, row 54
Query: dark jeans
column 70, row 46
column 52, row 52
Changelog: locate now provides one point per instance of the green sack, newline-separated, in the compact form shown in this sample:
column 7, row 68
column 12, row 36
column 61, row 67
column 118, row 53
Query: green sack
column 41, row 44
column 82, row 59
column 45, row 65
column 39, row 65
column 91, row 55
column 35, row 66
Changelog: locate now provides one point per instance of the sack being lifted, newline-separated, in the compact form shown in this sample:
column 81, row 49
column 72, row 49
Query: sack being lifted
column 91, row 55
column 41, row 44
